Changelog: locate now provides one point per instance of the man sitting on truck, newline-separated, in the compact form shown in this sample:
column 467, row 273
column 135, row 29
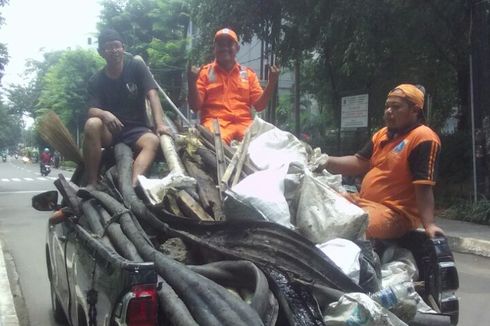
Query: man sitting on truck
column 400, row 162
column 226, row 90
column 117, row 111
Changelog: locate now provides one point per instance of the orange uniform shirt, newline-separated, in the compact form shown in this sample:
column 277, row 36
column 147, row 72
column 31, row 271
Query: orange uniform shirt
column 396, row 165
column 228, row 96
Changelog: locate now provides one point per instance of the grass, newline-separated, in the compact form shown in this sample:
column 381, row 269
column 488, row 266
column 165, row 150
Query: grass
column 468, row 211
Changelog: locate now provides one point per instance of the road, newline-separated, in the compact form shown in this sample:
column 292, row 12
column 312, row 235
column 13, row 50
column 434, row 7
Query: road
column 22, row 230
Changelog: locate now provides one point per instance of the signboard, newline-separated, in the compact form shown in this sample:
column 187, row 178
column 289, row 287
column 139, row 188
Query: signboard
column 354, row 111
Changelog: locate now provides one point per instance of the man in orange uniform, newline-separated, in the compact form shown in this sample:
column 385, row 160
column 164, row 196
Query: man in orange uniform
column 400, row 163
column 226, row 90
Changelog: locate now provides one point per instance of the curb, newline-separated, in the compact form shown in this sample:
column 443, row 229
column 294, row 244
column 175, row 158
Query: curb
column 469, row 245
column 8, row 314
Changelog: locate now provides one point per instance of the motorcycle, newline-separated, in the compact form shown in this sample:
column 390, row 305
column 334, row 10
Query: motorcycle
column 45, row 169
column 4, row 158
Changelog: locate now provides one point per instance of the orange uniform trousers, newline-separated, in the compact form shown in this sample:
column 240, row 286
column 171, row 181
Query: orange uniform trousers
column 383, row 222
column 230, row 130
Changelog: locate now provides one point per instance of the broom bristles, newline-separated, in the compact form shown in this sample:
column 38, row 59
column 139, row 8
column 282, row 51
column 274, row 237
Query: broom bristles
column 54, row 132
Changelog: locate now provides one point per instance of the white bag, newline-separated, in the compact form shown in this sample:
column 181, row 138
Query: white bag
column 323, row 214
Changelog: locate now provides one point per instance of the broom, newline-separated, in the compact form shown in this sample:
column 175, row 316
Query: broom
column 54, row 132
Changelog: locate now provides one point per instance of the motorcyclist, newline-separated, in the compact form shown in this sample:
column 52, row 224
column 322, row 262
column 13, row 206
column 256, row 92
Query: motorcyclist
column 45, row 159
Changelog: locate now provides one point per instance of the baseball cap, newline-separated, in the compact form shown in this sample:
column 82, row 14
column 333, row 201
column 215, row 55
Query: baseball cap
column 226, row 32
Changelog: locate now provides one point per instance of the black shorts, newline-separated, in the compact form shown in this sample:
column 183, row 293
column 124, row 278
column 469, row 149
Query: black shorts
column 130, row 136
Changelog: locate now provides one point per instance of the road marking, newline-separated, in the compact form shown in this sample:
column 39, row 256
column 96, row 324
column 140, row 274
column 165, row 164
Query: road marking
column 5, row 180
column 29, row 179
column 53, row 178
column 41, row 178
column 22, row 192
column 16, row 179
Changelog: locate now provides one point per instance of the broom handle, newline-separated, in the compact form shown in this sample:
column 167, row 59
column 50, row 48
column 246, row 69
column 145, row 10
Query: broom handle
column 174, row 107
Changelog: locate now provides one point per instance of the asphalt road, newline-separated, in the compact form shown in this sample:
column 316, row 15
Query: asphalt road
column 22, row 230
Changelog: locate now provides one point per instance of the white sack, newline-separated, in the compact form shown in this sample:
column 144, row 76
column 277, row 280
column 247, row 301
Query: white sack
column 359, row 309
column 271, row 147
column 345, row 254
column 156, row 189
column 264, row 191
column 323, row 214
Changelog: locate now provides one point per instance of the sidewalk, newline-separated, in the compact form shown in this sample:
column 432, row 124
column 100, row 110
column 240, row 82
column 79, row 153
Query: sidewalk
column 8, row 315
column 465, row 237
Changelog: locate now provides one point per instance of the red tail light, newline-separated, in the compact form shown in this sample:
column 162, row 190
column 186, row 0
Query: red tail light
column 143, row 307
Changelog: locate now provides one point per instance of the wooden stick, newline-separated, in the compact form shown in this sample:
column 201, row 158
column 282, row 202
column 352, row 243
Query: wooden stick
column 170, row 153
column 220, row 157
column 241, row 161
column 234, row 161
column 206, row 187
column 191, row 207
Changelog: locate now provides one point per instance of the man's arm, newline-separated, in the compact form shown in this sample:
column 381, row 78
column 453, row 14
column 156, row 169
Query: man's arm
column 263, row 100
column 193, row 97
column 347, row 165
column 110, row 120
column 424, row 197
column 157, row 112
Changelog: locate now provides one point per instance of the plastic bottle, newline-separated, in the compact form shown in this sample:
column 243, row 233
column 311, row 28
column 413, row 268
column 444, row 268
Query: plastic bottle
column 393, row 295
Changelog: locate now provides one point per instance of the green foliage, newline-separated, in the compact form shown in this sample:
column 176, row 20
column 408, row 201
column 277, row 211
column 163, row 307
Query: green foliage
column 468, row 211
column 64, row 86
column 10, row 128
column 4, row 57
column 356, row 46
column 157, row 31
column 455, row 170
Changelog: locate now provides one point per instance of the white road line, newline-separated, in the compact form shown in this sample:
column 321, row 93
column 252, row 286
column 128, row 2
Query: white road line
column 21, row 192
column 16, row 179
column 28, row 179
column 41, row 178
column 5, row 180
column 53, row 178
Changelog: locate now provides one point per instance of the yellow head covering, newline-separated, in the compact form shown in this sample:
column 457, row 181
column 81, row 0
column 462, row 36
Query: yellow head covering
column 409, row 92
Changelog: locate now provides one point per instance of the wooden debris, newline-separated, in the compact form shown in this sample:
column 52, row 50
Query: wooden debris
column 192, row 208
column 220, row 157
column 206, row 188
column 241, row 159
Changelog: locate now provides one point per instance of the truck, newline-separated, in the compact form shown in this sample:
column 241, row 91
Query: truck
column 92, row 284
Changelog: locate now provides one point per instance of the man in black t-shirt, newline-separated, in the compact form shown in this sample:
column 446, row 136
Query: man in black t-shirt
column 116, row 112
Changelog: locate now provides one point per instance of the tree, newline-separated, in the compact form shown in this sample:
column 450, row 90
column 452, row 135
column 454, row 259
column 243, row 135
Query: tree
column 4, row 57
column 157, row 31
column 10, row 129
column 367, row 45
column 64, row 86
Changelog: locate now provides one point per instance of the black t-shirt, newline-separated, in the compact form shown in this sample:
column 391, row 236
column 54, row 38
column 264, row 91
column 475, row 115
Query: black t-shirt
column 124, row 96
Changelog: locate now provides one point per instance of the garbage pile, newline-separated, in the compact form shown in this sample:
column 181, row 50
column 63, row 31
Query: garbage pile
column 207, row 227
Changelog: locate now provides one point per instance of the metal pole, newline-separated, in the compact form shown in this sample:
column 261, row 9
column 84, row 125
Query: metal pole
column 473, row 145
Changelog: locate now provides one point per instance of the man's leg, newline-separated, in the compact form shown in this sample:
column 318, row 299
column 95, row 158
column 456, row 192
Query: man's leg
column 96, row 135
column 383, row 223
column 146, row 146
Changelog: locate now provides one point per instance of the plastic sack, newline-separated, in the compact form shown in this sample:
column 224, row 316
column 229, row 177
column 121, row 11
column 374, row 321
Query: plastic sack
column 323, row 214
column 359, row 309
column 345, row 254
column 271, row 147
column 156, row 189
column 264, row 191
column 398, row 265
